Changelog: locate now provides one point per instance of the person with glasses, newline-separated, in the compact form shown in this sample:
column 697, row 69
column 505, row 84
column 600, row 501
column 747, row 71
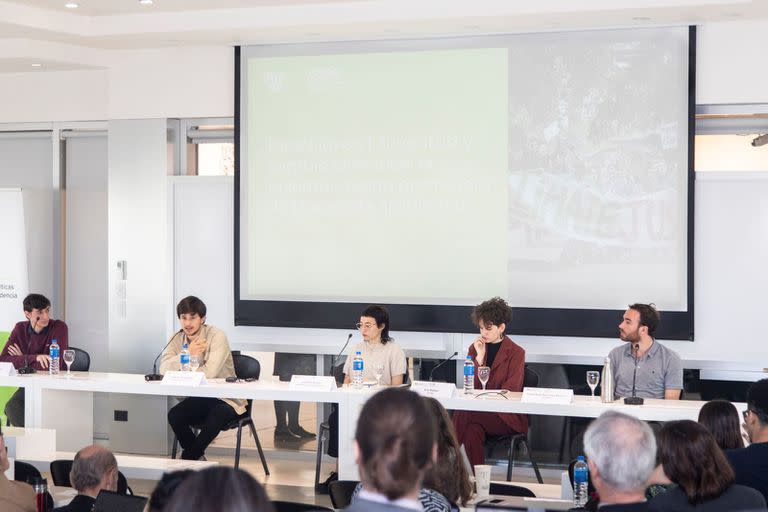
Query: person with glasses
column 751, row 463
column 377, row 348
column 28, row 347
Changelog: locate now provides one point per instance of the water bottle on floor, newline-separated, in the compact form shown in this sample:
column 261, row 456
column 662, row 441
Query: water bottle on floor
column 53, row 352
column 184, row 357
column 580, row 482
column 357, row 371
column 469, row 375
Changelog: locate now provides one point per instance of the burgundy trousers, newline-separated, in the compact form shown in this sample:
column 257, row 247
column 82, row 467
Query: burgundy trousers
column 472, row 429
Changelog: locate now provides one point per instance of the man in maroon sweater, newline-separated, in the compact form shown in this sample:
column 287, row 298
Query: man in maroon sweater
column 28, row 346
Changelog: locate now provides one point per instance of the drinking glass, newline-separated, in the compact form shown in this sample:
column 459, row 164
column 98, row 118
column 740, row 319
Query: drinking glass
column 194, row 362
column 593, row 378
column 379, row 373
column 483, row 373
column 69, row 358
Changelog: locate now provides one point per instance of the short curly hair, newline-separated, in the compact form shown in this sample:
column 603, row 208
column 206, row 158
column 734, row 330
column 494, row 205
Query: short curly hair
column 493, row 311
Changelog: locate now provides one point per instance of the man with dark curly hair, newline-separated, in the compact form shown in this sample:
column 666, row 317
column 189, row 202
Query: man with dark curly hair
column 506, row 360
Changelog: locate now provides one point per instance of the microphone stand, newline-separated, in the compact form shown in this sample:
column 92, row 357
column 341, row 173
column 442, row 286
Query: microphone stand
column 431, row 373
column 634, row 399
column 336, row 359
column 27, row 369
column 154, row 375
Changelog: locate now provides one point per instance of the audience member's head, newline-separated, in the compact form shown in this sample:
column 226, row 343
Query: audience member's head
column 94, row 469
column 219, row 489
column 721, row 418
column 395, row 443
column 448, row 475
column 165, row 488
column 756, row 415
column 622, row 454
column 692, row 460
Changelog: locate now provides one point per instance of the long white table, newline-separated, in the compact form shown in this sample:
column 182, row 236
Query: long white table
column 41, row 388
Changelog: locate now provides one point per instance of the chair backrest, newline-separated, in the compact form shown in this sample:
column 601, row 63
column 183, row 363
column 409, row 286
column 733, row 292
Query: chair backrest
column 246, row 367
column 60, row 470
column 289, row 506
column 82, row 360
column 500, row 489
column 531, row 378
column 341, row 492
column 24, row 472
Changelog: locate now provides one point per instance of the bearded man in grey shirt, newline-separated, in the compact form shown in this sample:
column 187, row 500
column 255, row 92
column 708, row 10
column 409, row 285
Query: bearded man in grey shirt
column 659, row 369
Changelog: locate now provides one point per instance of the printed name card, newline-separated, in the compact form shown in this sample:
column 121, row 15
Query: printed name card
column 315, row 382
column 184, row 378
column 7, row 369
column 547, row 396
column 434, row 389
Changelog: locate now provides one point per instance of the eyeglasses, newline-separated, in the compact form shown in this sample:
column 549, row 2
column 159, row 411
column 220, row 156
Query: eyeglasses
column 366, row 325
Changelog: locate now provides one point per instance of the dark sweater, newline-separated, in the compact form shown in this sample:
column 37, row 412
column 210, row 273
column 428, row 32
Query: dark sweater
column 751, row 466
column 80, row 503
column 736, row 497
column 32, row 344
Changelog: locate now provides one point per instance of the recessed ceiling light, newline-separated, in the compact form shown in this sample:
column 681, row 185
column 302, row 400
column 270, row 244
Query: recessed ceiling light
column 145, row 2
column 71, row 5
column 36, row 65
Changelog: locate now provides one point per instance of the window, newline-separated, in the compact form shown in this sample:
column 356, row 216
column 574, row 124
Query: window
column 724, row 136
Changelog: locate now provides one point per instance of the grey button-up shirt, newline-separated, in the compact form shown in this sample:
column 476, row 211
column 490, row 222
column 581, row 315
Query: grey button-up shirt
column 658, row 370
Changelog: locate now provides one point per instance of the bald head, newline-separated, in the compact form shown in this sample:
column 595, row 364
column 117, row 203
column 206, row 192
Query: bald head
column 94, row 469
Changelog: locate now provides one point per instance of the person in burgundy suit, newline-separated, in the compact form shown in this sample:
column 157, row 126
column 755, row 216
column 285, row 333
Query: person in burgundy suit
column 506, row 360
column 28, row 346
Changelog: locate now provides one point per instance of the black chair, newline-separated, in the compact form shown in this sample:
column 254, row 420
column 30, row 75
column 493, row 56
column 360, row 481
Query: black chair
column 499, row 489
column 325, row 428
column 530, row 380
column 246, row 367
column 25, row 472
column 82, row 361
column 289, row 506
column 341, row 492
column 61, row 468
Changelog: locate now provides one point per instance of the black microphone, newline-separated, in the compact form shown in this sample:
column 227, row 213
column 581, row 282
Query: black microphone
column 154, row 375
column 441, row 364
column 634, row 399
column 336, row 359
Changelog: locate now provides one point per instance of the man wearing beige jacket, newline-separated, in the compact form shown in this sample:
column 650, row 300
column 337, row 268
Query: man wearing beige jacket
column 210, row 345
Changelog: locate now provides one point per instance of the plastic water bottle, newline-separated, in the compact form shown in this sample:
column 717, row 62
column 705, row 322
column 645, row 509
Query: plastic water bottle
column 53, row 352
column 580, row 482
column 357, row 371
column 184, row 358
column 469, row 375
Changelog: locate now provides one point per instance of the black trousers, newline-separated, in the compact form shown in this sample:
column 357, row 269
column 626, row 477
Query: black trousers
column 14, row 409
column 210, row 415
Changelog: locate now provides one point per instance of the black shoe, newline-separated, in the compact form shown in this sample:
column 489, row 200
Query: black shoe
column 322, row 487
column 283, row 434
column 304, row 434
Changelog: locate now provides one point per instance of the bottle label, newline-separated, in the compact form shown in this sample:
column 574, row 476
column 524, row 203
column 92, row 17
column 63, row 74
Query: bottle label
column 580, row 475
column 469, row 370
column 357, row 365
column 184, row 359
column 54, row 352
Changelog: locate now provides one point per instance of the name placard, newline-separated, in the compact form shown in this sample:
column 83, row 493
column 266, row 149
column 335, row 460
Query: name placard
column 434, row 389
column 547, row 396
column 7, row 369
column 316, row 382
column 176, row 378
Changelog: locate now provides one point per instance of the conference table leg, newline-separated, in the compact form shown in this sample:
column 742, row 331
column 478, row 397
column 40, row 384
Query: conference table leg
column 349, row 411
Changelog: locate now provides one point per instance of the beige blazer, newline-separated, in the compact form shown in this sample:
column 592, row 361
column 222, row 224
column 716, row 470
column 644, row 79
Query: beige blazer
column 16, row 496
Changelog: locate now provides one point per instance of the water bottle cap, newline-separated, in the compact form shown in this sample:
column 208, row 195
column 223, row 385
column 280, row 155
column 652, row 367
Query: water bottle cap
column 580, row 458
column 54, row 341
column 358, row 353
column 469, row 358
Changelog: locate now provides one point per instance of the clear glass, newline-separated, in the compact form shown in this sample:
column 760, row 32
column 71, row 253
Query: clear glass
column 483, row 373
column 194, row 362
column 593, row 379
column 69, row 358
column 379, row 373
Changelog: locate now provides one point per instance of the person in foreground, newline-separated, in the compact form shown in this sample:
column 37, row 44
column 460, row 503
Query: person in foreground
column 621, row 452
column 721, row 418
column 659, row 369
column 691, row 459
column 14, row 496
column 165, row 488
column 94, row 469
column 219, row 489
column 29, row 344
column 210, row 345
column 506, row 360
column 750, row 464
column 395, row 445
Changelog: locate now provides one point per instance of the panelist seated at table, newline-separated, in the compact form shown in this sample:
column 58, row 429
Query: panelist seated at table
column 29, row 346
column 211, row 346
column 378, row 349
column 506, row 360
column 659, row 371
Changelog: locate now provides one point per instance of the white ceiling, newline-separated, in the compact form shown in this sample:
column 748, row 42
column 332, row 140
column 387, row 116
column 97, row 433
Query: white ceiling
column 30, row 29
